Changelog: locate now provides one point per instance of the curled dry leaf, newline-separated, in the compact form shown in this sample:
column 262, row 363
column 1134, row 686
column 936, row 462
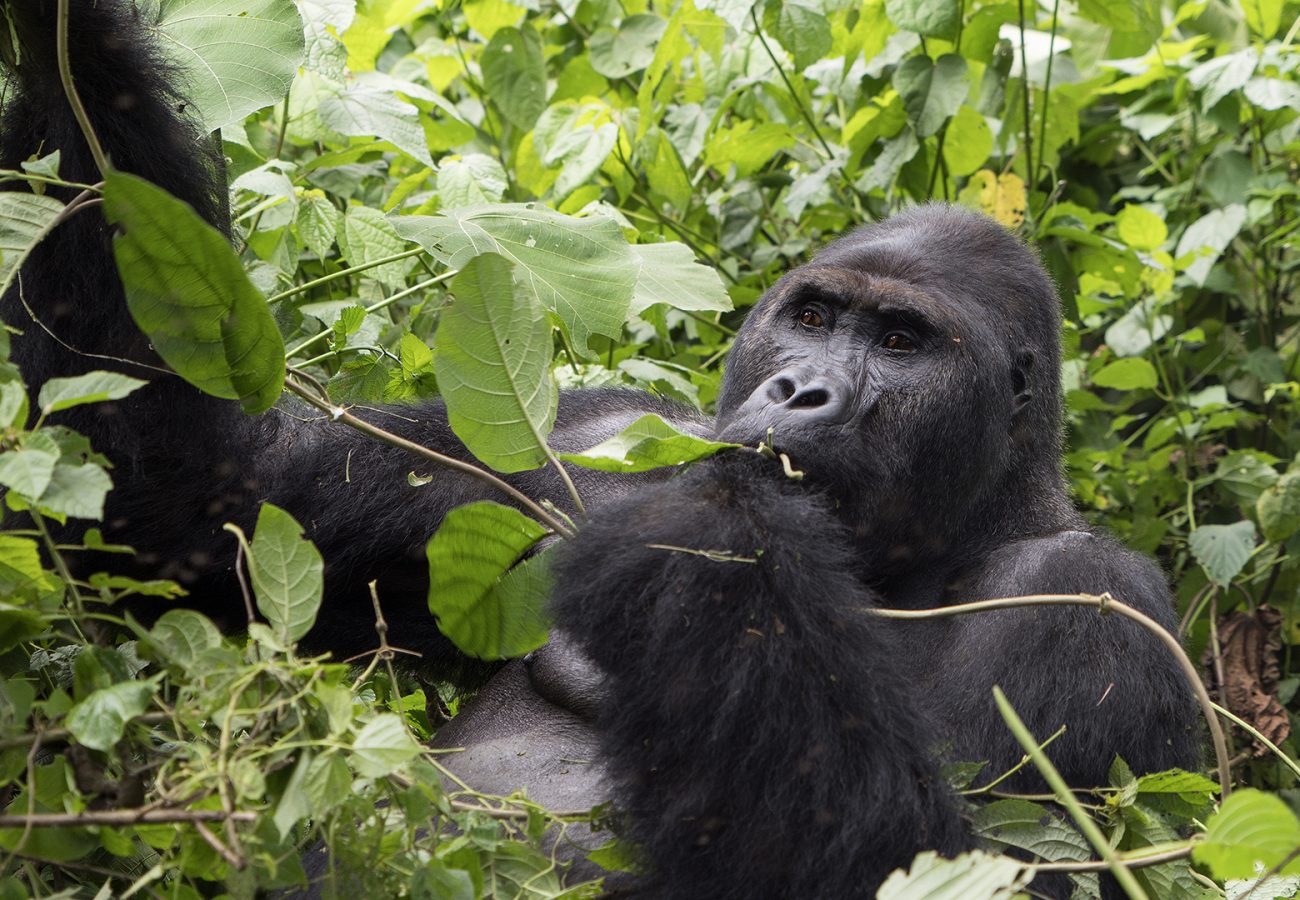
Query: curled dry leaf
column 1249, row 645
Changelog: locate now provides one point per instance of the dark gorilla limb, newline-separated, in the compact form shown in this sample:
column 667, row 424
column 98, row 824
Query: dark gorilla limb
column 757, row 731
column 186, row 463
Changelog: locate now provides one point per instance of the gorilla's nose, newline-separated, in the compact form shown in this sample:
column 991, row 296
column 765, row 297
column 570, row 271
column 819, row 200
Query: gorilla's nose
column 803, row 393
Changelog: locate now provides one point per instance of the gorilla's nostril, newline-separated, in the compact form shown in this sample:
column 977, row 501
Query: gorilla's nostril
column 811, row 397
column 782, row 389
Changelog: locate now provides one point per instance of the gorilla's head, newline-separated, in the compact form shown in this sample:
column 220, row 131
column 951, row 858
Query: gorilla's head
column 912, row 369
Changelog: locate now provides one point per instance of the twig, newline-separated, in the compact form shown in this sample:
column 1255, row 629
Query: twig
column 236, row 861
column 1024, row 761
column 807, row 116
column 70, row 89
column 343, row 417
column 1066, row 798
column 121, row 817
column 1105, row 603
column 1134, row 859
column 1257, row 735
column 343, row 273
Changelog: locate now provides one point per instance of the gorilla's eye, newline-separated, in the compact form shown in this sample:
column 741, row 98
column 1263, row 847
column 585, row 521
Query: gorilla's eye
column 898, row 341
column 810, row 318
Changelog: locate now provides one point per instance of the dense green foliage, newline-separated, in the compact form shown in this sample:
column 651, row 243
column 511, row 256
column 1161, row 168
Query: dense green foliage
column 488, row 201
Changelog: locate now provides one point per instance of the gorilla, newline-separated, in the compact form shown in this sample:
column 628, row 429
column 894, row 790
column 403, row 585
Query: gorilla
column 761, row 733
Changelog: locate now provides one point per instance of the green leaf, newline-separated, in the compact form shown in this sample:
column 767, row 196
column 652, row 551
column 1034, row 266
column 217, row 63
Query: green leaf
column 802, row 31
column 493, row 366
column 968, row 143
column 580, row 269
column 970, row 876
column 187, row 291
column 1176, row 781
column 18, row 624
column 1029, row 826
column 514, row 73
column 383, row 745
column 368, row 236
column 472, row 180
column 76, row 490
column 318, row 222
column 234, row 61
column 373, row 110
column 1126, row 375
column 488, row 609
column 931, row 91
column 1207, row 238
column 750, row 147
column 1140, row 228
column 669, row 273
column 1263, row 17
column 1278, row 508
column 931, row 18
column 99, row 721
column 1223, row 550
column 28, row 470
column 23, row 220
column 1252, row 832
column 93, row 387
column 287, row 573
column 648, row 443
column 181, row 636
column 617, row 54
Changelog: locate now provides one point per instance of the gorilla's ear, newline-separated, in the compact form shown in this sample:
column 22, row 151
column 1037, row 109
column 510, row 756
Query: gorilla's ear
column 1020, row 380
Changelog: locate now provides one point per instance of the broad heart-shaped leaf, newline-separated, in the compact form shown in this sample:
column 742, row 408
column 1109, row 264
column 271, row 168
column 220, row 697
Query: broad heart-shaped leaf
column 235, row 59
column 932, row 18
column 99, row 721
column 1252, row 829
column 1126, row 375
column 669, row 273
column 804, row 32
column 514, row 73
column 93, row 387
column 971, row 876
column 648, row 443
column 1223, row 550
column 23, row 220
column 364, row 110
column 187, row 291
column 493, row 365
column 580, row 269
column 931, row 91
column 485, row 607
column 1278, row 508
column 383, row 745
column 287, row 573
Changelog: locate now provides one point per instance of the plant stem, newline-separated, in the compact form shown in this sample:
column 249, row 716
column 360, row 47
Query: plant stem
column 342, row 416
column 1066, row 798
column 343, row 273
column 376, row 307
column 1105, row 603
column 70, row 89
column 803, row 111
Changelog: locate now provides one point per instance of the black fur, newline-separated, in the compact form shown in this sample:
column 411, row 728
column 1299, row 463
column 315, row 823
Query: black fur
column 767, row 737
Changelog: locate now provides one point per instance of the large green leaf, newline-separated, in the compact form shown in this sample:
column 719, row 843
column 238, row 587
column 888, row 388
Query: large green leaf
column 1278, row 508
column 287, row 573
column 188, row 292
column 931, row 91
column 971, row 876
column 487, row 608
column 493, row 366
column 932, row 18
column 514, row 73
column 100, row 720
column 669, row 273
column 93, row 387
column 235, row 59
column 1223, row 550
column 580, row 269
column 1252, row 832
column 383, row 745
column 648, row 443
column 24, row 219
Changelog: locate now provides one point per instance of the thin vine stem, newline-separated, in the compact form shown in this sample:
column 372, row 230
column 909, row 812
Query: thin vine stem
column 1105, row 603
column 70, row 89
column 1065, row 797
column 343, row 273
column 343, row 417
column 807, row 116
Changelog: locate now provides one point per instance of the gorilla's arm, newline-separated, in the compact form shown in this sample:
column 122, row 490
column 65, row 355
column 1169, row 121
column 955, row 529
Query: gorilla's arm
column 757, row 731
column 1109, row 681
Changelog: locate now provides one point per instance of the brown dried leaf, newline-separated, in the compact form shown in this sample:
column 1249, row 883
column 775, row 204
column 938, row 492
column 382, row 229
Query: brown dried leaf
column 1250, row 645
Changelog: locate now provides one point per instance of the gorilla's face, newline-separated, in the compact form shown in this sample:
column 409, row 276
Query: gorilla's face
column 894, row 381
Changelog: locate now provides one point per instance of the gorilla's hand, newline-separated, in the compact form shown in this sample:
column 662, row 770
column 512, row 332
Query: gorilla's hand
column 748, row 690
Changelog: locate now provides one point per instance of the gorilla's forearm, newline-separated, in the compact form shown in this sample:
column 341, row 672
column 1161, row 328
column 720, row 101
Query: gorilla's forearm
column 757, row 732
